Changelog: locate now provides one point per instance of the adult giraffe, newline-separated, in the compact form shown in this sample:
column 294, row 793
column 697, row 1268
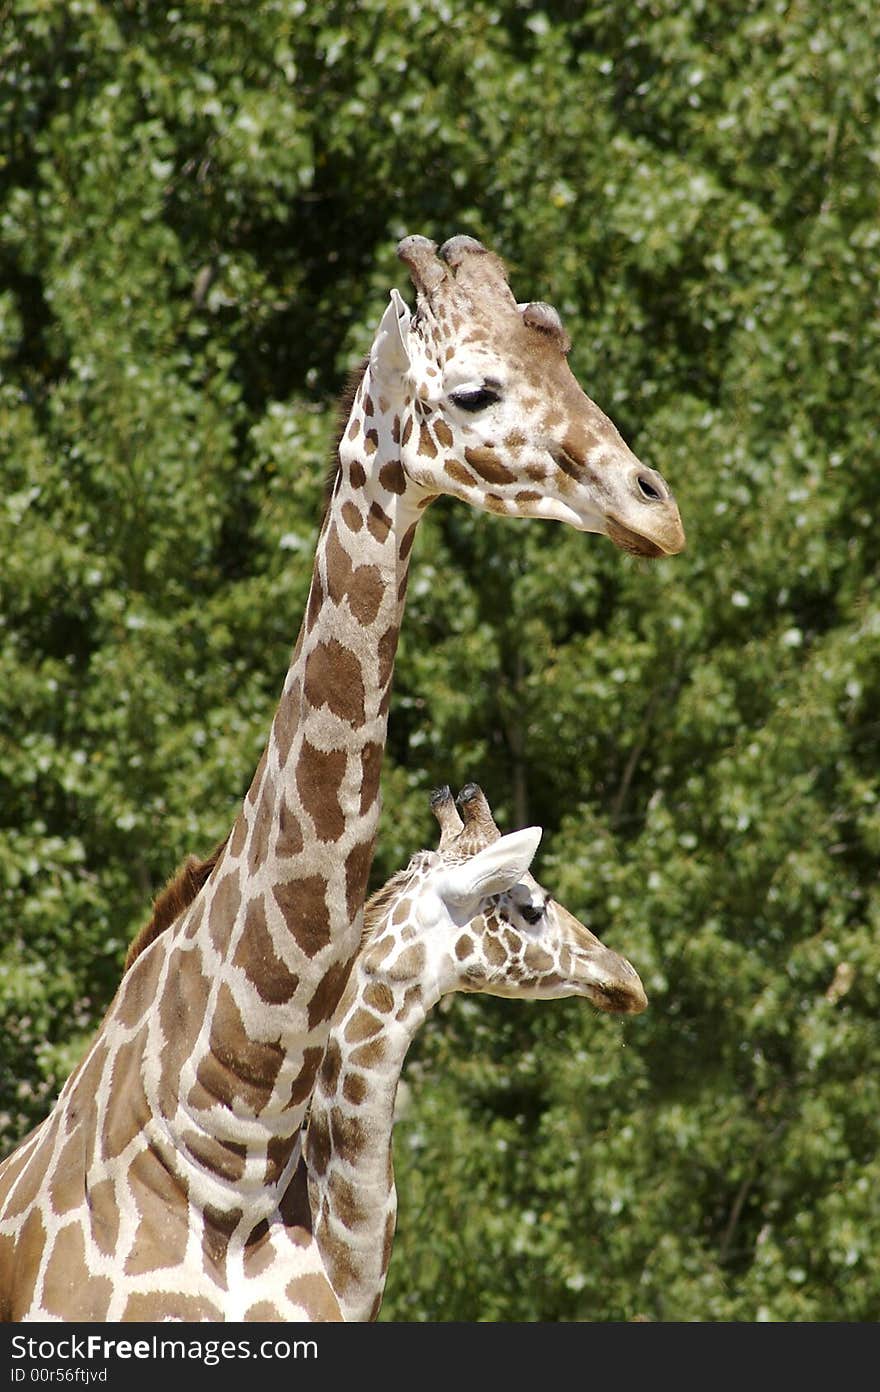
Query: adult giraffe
column 182, row 1123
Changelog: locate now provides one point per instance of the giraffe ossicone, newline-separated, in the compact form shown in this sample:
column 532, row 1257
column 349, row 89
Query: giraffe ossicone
column 167, row 1164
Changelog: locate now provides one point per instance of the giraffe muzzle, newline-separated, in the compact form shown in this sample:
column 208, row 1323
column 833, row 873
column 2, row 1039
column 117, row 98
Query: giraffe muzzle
column 651, row 524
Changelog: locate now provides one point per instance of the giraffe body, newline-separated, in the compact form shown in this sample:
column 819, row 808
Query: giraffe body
column 171, row 1151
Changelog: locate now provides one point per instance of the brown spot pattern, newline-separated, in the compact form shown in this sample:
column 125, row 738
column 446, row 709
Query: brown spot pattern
column 357, row 870
column 150, row 1307
column 305, row 1079
column 28, row 1255
column 340, row 1262
column 257, row 779
column 536, row 959
column 315, row 601
column 184, row 1000
column 303, row 904
column 67, row 1181
column 333, row 678
column 277, row 1156
column 409, row 964
column 346, row 1204
column 378, row 997
column 238, row 837
column 378, row 522
column 104, row 1216
column 488, row 465
column 314, row 1293
column 256, row 955
column 82, row 1096
column 368, row 1055
column 371, row 769
column 411, row 998
column 129, row 1109
column 361, row 587
column 318, row 1144
column 160, row 1240
column 495, row 953
column 392, row 477
column 459, row 473
column 259, row 847
column 68, row 1289
column 351, row 516
column 287, row 721
column 262, row 1313
column 223, row 1158
column 289, row 841
column 328, row 994
column 362, row 1025
column 319, row 777
column 256, row 855
column 354, row 1089
column 348, row 1134
column 387, row 653
column 219, row 1225
column 227, row 894
column 238, row 1067
column 426, row 442
column 331, row 1067
column 366, row 593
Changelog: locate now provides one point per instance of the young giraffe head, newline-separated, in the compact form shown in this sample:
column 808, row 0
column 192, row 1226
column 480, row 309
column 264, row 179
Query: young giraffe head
column 488, row 409
column 484, row 924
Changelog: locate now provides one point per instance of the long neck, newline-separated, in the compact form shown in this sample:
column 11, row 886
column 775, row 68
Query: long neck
column 348, row 1145
column 253, row 973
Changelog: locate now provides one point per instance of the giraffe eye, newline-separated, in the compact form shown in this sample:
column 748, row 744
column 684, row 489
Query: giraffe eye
column 477, row 399
column 532, row 913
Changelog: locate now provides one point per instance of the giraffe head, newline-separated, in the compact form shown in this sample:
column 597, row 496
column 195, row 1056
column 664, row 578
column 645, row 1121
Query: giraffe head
column 490, row 410
column 470, row 917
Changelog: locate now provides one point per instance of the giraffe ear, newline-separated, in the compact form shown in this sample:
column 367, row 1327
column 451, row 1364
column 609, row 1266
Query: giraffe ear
column 498, row 867
column 389, row 355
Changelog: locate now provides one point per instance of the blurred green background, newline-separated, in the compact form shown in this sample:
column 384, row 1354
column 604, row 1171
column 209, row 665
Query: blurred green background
column 199, row 205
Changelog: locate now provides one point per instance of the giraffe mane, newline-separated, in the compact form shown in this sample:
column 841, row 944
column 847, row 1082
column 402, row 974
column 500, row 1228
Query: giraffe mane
column 376, row 906
column 170, row 902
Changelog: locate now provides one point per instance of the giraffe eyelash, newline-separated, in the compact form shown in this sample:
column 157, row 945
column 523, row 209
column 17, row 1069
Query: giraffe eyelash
column 475, row 400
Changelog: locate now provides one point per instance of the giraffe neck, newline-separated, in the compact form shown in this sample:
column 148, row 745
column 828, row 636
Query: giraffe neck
column 348, row 1145
column 249, row 978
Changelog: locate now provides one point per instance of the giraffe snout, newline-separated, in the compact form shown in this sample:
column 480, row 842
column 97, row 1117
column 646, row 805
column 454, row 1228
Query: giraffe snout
column 648, row 523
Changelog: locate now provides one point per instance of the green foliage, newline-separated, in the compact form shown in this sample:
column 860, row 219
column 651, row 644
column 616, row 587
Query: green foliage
column 198, row 211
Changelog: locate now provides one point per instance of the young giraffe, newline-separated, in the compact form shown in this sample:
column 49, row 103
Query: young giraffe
column 465, row 918
column 175, row 1141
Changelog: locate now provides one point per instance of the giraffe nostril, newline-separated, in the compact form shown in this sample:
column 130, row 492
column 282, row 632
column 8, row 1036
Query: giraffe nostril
column 651, row 489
